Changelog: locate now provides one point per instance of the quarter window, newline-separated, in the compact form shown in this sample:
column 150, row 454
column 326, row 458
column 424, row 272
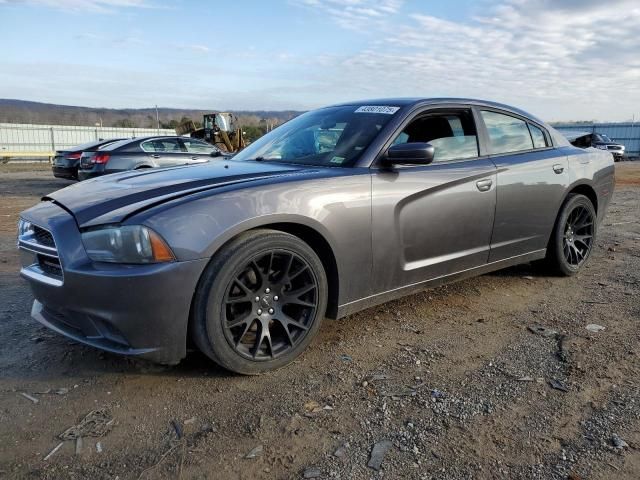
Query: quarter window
column 453, row 135
column 539, row 140
column 506, row 133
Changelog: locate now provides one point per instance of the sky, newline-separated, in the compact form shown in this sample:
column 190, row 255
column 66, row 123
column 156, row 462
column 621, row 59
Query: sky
column 558, row 59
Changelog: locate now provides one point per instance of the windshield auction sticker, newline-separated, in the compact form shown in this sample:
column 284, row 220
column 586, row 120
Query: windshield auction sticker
column 377, row 109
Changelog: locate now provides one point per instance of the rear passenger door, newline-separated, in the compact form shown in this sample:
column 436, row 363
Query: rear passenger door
column 532, row 178
column 198, row 151
column 165, row 152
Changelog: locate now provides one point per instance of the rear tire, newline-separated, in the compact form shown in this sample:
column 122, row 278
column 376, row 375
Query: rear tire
column 259, row 302
column 573, row 236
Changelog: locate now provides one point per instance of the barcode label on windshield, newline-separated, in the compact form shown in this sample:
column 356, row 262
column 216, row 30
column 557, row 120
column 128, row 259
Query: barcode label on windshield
column 377, row 109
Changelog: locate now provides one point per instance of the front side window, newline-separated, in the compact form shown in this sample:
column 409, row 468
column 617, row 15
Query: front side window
column 453, row 135
column 331, row 137
column 506, row 133
column 196, row 146
column 537, row 135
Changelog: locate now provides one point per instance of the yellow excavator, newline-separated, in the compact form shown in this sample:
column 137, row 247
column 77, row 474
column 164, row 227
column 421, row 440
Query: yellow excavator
column 219, row 128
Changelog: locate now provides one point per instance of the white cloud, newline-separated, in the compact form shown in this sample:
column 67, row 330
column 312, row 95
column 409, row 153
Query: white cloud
column 92, row 6
column 561, row 59
column 354, row 14
column 195, row 48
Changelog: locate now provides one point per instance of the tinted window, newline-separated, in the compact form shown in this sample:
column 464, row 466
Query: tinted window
column 169, row 145
column 539, row 140
column 453, row 135
column 506, row 133
column 196, row 146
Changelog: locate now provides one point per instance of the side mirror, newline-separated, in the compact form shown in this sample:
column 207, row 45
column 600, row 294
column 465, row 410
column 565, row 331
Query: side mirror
column 216, row 153
column 417, row 153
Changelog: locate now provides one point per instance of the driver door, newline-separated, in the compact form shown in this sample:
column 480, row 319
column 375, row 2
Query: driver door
column 430, row 221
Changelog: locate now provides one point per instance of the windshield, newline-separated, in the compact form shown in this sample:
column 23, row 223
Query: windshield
column 599, row 137
column 329, row 137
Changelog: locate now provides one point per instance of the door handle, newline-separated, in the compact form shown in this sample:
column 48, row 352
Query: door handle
column 484, row 185
column 558, row 168
column 155, row 155
column 194, row 158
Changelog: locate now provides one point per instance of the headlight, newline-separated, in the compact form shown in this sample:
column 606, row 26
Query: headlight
column 128, row 244
column 24, row 228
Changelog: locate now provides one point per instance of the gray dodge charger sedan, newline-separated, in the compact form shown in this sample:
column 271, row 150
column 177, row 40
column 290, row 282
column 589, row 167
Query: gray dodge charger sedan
column 340, row 209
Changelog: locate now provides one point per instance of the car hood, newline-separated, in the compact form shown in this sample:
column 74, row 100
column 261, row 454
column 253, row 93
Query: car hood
column 112, row 198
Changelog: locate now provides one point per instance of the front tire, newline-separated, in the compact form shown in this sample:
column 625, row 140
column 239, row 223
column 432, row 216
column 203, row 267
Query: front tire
column 573, row 236
column 260, row 302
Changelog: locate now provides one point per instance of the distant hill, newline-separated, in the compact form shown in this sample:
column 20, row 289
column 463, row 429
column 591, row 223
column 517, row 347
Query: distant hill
column 22, row 111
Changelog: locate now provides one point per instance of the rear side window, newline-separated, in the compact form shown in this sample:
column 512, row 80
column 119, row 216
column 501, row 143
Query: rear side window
column 170, row 145
column 537, row 135
column 506, row 133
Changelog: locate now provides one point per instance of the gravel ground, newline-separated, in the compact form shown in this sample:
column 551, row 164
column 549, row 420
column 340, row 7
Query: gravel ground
column 450, row 383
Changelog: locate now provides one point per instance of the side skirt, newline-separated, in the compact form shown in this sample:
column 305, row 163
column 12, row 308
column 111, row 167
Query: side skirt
column 377, row 299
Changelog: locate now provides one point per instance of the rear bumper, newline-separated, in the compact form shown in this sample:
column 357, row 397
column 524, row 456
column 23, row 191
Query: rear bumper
column 95, row 171
column 70, row 173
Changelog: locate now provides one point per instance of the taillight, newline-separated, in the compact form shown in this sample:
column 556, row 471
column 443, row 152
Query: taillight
column 100, row 158
column 74, row 156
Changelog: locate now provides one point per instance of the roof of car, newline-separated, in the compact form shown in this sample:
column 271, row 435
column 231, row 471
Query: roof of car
column 415, row 101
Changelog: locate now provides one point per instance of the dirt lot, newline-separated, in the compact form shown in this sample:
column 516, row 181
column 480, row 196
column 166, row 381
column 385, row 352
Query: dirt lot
column 452, row 378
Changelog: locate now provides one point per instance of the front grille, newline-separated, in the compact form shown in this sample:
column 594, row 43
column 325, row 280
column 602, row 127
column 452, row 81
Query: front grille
column 44, row 265
column 43, row 237
column 614, row 147
column 50, row 266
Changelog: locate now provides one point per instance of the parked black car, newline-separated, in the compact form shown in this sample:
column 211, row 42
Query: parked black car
column 66, row 162
column 145, row 152
column 597, row 140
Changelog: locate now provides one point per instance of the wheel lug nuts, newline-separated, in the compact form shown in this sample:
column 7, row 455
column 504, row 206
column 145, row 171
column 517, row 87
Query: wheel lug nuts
column 271, row 310
column 259, row 311
column 257, row 299
column 267, row 290
column 275, row 298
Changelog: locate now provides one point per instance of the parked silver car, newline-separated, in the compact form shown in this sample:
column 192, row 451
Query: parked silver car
column 340, row 209
column 144, row 152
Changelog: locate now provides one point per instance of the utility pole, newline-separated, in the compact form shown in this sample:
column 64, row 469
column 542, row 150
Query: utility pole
column 157, row 121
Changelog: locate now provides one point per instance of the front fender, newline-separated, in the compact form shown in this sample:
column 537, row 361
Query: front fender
column 337, row 210
column 264, row 221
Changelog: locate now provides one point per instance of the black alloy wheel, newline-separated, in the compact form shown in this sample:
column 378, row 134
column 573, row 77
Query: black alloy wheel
column 578, row 235
column 259, row 302
column 269, row 305
column 573, row 236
